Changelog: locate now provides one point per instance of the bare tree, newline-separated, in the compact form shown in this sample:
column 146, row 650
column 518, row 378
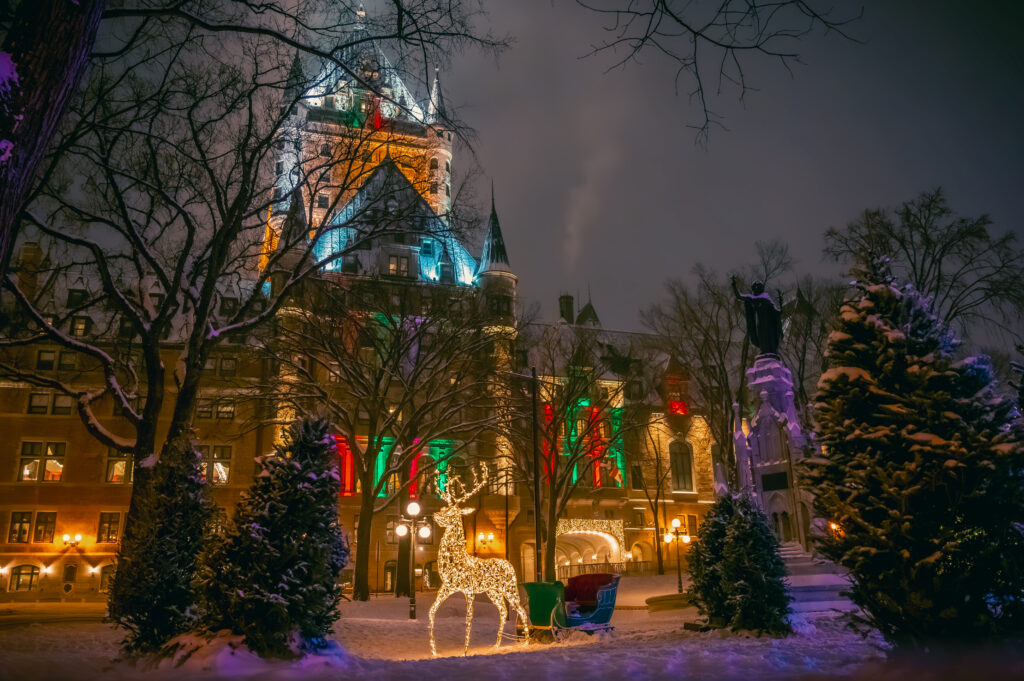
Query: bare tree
column 974, row 277
column 582, row 376
column 396, row 368
column 162, row 194
column 702, row 327
column 44, row 56
column 810, row 314
column 711, row 43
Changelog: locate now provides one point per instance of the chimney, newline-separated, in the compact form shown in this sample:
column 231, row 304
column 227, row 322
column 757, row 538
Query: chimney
column 565, row 308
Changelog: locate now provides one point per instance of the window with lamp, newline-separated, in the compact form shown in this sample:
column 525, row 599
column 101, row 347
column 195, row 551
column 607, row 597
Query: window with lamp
column 216, row 463
column 41, row 462
column 107, row 531
column 119, row 467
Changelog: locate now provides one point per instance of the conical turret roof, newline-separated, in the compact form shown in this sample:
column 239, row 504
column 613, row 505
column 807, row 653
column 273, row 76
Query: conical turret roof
column 494, row 257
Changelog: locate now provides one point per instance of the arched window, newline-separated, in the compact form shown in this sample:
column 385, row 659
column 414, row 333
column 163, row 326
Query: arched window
column 433, row 164
column 24, row 578
column 681, row 458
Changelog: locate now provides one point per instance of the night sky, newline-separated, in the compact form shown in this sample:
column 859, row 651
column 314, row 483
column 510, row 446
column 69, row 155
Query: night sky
column 600, row 184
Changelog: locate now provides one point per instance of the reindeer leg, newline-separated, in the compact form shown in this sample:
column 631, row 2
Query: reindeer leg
column 469, row 620
column 498, row 598
column 513, row 597
column 442, row 594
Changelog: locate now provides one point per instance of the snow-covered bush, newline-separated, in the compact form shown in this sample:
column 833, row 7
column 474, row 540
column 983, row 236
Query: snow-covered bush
column 152, row 595
column 737, row 573
column 921, row 472
column 272, row 578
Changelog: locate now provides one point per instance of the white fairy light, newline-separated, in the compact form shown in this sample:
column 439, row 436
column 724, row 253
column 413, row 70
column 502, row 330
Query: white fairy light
column 471, row 575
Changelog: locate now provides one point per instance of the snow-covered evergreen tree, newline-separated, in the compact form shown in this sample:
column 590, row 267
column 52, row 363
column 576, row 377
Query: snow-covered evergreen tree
column 152, row 594
column 705, row 561
column 737, row 573
column 921, row 471
column 273, row 576
column 753, row 572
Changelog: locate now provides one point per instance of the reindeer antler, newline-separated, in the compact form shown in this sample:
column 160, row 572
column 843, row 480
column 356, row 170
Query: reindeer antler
column 479, row 480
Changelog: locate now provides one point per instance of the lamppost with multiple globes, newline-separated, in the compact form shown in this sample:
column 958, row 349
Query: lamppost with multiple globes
column 677, row 536
column 412, row 525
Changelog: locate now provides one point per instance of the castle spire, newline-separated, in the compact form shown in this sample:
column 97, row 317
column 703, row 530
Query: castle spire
column 494, row 257
column 435, row 108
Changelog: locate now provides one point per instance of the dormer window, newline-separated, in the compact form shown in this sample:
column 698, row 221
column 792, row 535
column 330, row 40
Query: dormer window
column 76, row 298
column 427, row 248
column 325, row 149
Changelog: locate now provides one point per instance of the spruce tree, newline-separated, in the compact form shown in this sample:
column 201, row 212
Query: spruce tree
column 705, row 560
column 737, row 573
column 753, row 572
column 152, row 595
column 921, row 471
column 273, row 577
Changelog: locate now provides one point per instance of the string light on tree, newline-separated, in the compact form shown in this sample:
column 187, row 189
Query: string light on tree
column 471, row 575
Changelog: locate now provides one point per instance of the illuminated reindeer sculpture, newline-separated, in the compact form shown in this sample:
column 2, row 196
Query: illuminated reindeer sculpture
column 469, row 574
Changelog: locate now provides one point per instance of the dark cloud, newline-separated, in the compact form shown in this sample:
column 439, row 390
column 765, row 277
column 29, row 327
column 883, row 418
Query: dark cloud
column 600, row 184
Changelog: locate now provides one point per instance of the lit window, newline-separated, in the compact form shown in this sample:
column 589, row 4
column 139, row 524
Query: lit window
column 62, row 404
column 398, row 266
column 80, row 326
column 38, row 403
column 46, row 523
column 109, row 525
column 21, row 524
column 45, row 359
column 221, row 464
column 119, row 467
column 24, row 578
column 226, row 409
column 35, row 465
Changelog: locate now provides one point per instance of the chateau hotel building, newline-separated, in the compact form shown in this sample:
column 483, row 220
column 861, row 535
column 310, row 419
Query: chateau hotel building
column 64, row 497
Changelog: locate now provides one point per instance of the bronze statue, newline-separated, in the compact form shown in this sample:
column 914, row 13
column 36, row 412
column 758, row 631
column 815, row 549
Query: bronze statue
column 764, row 318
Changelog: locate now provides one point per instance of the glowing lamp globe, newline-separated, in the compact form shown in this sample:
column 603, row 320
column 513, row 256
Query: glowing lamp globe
column 424, row 532
column 686, row 539
column 668, row 537
column 401, row 530
column 413, row 509
column 66, row 538
column 676, row 523
column 78, row 538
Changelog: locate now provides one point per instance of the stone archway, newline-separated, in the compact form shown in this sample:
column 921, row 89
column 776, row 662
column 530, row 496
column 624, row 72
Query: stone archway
column 595, row 534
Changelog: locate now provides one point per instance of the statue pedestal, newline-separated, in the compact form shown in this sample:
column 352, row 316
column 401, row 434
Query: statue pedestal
column 769, row 444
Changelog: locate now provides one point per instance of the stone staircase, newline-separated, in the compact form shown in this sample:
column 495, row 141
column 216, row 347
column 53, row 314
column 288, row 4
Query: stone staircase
column 815, row 584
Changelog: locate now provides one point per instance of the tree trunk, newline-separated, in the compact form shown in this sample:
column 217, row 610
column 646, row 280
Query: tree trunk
column 48, row 44
column 657, row 540
column 361, row 577
column 550, row 540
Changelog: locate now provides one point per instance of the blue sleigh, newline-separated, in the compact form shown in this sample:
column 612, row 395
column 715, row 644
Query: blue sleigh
column 585, row 603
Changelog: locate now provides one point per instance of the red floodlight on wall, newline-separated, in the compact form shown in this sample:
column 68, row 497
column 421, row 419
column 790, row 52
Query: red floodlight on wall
column 678, row 408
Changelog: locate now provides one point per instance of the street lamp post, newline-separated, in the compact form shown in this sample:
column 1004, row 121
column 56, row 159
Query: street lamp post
column 412, row 512
column 677, row 536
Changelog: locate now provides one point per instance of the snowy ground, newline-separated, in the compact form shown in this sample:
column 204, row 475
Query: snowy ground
column 382, row 643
